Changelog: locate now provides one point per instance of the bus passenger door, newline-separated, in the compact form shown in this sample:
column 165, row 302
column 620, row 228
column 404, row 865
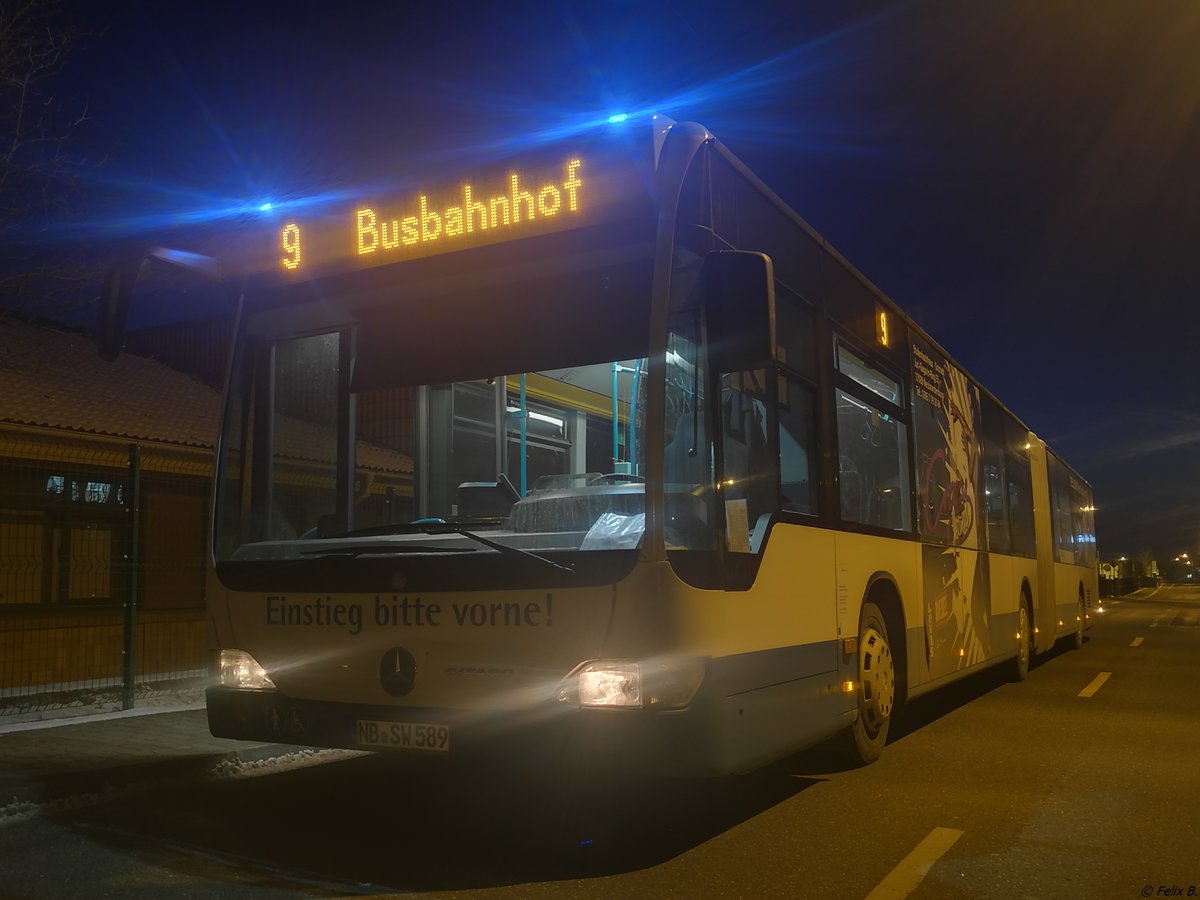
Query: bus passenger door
column 749, row 468
column 739, row 331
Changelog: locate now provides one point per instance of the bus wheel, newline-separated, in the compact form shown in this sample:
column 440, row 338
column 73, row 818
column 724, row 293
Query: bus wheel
column 1020, row 665
column 1081, row 623
column 876, row 687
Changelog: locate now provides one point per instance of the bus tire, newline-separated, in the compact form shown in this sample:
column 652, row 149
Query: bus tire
column 1081, row 622
column 876, row 688
column 1020, row 664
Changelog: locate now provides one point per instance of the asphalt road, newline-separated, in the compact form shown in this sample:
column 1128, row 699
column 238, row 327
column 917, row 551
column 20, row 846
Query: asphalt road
column 1082, row 782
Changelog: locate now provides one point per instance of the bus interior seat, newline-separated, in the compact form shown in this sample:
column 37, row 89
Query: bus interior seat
column 487, row 499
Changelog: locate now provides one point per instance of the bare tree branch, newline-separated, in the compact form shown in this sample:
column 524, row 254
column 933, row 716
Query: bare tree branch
column 39, row 165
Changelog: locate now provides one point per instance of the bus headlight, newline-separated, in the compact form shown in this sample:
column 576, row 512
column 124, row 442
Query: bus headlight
column 238, row 669
column 636, row 684
column 610, row 684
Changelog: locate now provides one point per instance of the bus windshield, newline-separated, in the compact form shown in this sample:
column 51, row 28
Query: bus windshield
column 333, row 444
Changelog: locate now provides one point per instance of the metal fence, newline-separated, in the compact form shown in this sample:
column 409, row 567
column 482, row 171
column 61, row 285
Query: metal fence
column 102, row 572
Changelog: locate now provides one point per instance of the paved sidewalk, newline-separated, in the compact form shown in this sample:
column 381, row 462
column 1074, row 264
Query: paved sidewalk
column 44, row 761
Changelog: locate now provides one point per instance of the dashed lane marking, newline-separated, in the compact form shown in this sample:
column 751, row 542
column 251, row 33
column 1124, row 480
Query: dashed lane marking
column 903, row 880
column 1137, row 642
column 1159, row 620
column 1097, row 683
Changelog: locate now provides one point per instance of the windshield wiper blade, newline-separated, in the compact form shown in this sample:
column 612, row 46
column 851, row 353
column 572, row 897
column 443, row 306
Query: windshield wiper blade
column 418, row 527
column 383, row 549
column 501, row 548
column 431, row 529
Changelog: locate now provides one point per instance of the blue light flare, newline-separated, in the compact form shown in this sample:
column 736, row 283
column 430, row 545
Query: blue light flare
column 740, row 99
column 741, row 95
column 152, row 209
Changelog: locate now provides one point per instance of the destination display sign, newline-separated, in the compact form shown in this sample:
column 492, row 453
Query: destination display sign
column 572, row 189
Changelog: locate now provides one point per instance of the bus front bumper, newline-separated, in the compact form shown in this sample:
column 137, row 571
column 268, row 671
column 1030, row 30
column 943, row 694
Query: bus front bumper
column 678, row 742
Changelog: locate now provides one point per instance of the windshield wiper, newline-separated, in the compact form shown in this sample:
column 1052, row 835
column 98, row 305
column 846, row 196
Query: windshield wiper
column 383, row 549
column 502, row 548
column 432, row 529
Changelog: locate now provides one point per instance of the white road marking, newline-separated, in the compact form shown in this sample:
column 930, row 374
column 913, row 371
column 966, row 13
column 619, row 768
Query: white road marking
column 903, row 880
column 1096, row 684
column 1137, row 642
column 1158, row 620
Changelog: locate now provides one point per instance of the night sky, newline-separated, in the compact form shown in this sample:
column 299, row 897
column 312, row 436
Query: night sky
column 1022, row 176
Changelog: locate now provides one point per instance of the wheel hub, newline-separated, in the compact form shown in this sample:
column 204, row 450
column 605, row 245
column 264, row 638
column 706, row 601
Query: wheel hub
column 877, row 691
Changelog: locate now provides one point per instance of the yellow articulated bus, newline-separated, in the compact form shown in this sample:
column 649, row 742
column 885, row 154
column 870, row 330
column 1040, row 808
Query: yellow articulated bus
column 602, row 450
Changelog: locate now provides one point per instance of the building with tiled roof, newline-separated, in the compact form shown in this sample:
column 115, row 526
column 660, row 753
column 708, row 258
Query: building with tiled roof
column 54, row 379
column 79, row 440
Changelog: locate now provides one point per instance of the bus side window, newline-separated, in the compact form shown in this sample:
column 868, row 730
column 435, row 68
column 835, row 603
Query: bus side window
column 873, row 471
column 796, row 416
column 995, row 492
column 1020, row 489
column 795, row 355
column 873, row 467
